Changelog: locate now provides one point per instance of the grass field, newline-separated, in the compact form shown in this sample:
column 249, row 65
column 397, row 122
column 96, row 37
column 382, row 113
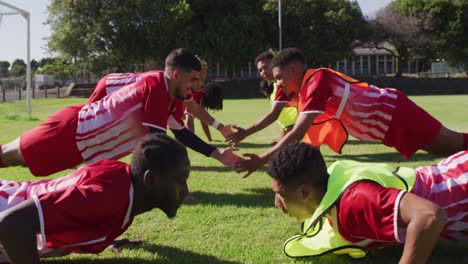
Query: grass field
column 233, row 220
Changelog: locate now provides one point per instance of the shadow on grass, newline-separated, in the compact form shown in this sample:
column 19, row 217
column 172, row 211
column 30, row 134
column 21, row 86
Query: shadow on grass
column 444, row 252
column 221, row 169
column 167, row 255
column 361, row 142
column 382, row 157
column 211, row 168
column 243, row 145
column 255, row 145
column 260, row 197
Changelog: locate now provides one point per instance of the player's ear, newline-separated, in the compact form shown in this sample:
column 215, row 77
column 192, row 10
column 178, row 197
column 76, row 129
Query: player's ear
column 175, row 74
column 149, row 178
column 306, row 191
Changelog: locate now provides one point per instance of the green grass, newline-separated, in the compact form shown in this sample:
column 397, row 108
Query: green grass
column 233, row 220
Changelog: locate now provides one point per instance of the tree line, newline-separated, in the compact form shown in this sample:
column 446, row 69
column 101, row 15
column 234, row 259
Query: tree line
column 129, row 35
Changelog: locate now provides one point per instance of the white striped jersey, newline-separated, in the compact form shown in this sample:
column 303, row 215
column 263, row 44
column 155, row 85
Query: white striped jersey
column 366, row 113
column 111, row 127
column 446, row 184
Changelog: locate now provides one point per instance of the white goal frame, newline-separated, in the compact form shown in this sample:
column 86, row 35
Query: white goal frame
column 26, row 16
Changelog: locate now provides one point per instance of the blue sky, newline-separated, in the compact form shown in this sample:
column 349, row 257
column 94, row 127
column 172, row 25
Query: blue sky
column 13, row 28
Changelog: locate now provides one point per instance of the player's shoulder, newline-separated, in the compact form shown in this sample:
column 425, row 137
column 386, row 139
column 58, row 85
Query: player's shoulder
column 364, row 193
column 103, row 167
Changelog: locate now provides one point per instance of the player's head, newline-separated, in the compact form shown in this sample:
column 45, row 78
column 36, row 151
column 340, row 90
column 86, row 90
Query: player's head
column 204, row 70
column 266, row 88
column 183, row 68
column 300, row 178
column 288, row 69
column 213, row 98
column 262, row 61
column 162, row 166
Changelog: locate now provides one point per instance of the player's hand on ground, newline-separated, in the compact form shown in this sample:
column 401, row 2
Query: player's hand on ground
column 226, row 130
column 118, row 243
column 237, row 136
column 249, row 165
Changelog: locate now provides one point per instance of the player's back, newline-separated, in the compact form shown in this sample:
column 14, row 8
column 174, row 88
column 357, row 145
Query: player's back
column 116, row 81
column 109, row 128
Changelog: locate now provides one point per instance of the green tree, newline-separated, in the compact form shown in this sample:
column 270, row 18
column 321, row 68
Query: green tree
column 125, row 32
column 34, row 65
column 4, row 66
column 18, row 68
column 58, row 67
column 449, row 25
column 45, row 61
column 325, row 30
column 410, row 35
column 230, row 31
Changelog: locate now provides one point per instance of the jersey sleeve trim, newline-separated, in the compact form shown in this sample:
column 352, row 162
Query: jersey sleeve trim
column 281, row 102
column 395, row 217
column 155, row 126
column 130, row 206
column 312, row 112
column 40, row 246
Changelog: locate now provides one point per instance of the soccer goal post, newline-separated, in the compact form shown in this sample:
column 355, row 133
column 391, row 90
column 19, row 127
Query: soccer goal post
column 26, row 16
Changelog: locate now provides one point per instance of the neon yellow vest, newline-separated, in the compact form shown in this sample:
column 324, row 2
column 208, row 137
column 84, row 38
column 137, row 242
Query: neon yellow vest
column 288, row 115
column 318, row 237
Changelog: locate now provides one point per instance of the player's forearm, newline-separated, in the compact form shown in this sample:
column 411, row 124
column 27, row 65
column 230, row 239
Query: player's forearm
column 297, row 133
column 18, row 228
column 290, row 137
column 265, row 121
column 192, row 141
column 190, row 123
column 200, row 113
column 421, row 236
column 206, row 130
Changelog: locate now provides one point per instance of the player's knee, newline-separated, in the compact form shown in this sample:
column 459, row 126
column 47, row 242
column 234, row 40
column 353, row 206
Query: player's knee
column 11, row 154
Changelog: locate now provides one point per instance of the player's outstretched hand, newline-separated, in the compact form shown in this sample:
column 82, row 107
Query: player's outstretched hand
column 227, row 156
column 226, row 130
column 249, row 165
column 236, row 137
column 118, row 243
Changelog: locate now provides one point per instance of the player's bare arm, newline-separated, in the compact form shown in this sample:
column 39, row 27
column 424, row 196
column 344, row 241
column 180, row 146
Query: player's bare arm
column 18, row 228
column 263, row 122
column 255, row 161
column 424, row 221
column 206, row 130
column 200, row 113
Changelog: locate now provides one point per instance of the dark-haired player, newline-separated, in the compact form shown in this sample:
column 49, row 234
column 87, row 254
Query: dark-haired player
column 86, row 210
column 353, row 206
column 110, row 127
column 333, row 105
column 282, row 110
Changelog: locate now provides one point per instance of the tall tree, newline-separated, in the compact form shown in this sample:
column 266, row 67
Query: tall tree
column 18, row 68
column 410, row 35
column 449, row 25
column 125, row 32
column 229, row 31
column 4, row 66
column 325, row 30
column 34, row 65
